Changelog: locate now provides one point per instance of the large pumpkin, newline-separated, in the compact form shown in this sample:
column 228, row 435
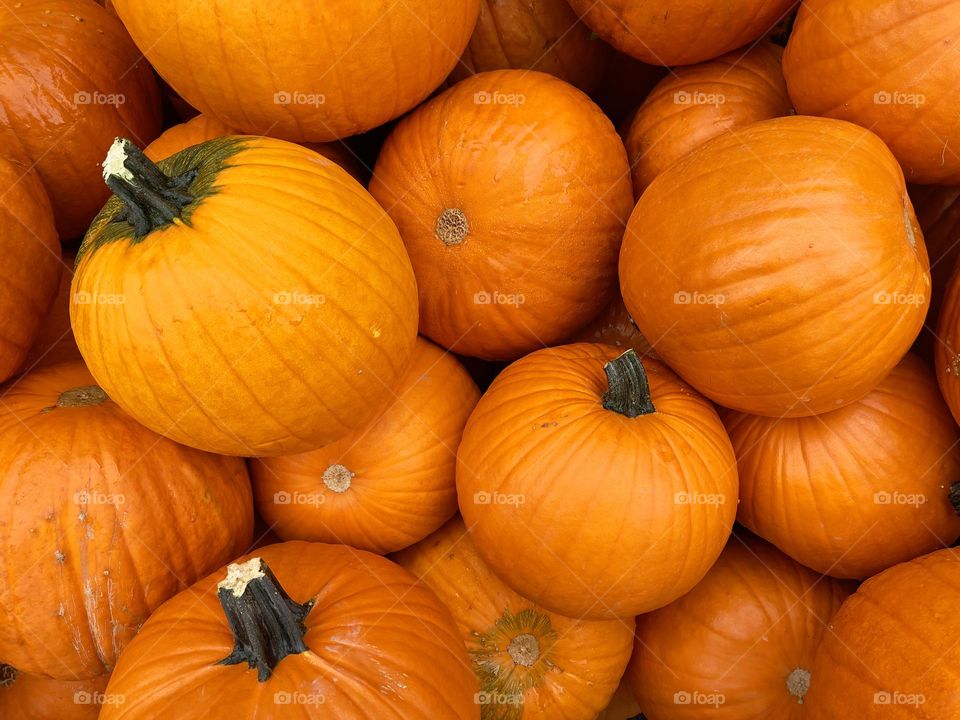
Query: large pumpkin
column 510, row 191
column 261, row 303
column 887, row 65
column 541, row 665
column 301, row 70
column 741, row 644
column 297, row 631
column 70, row 82
column 31, row 697
column 107, row 520
column 597, row 486
column 387, row 485
column 779, row 267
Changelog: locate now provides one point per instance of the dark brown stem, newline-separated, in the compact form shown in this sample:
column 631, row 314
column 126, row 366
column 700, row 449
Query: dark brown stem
column 628, row 391
column 955, row 497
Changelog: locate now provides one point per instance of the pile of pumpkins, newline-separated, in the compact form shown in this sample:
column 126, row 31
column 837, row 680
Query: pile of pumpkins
column 417, row 359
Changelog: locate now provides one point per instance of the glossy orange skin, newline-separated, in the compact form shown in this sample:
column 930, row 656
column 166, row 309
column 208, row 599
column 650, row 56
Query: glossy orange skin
column 54, row 343
column 545, row 188
column 579, row 662
column 680, row 32
column 755, row 618
column 404, row 465
column 614, row 326
column 103, row 521
column 779, row 266
column 896, row 637
column 542, row 461
column 843, row 53
column 832, row 491
column 694, row 104
column 357, row 65
column 31, row 697
column 380, row 645
column 61, row 61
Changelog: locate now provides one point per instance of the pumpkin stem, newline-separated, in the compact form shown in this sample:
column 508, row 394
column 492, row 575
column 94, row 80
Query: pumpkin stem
column 524, row 650
column 955, row 497
column 337, row 478
column 452, row 226
column 798, row 683
column 8, row 675
column 266, row 624
column 150, row 198
column 628, row 391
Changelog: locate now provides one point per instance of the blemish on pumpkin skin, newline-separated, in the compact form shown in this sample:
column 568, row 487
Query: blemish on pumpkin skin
column 59, row 557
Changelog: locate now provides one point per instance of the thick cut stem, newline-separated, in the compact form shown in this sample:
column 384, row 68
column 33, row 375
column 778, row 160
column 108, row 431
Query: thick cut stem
column 524, row 650
column 628, row 391
column 798, row 683
column 452, row 226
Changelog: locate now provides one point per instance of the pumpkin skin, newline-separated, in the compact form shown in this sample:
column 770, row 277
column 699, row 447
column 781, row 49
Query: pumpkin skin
column 741, row 644
column 695, row 104
column 387, row 485
column 368, row 656
column 55, row 343
column 741, row 279
column 65, row 65
column 541, row 665
column 541, row 457
column 309, row 72
column 614, row 326
column 947, row 346
column 31, row 697
column 80, row 479
column 311, row 321
column 888, row 72
column 509, row 266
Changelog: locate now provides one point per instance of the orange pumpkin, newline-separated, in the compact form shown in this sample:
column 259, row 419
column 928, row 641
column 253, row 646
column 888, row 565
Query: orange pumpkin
column 695, row 104
column 110, row 520
column 885, row 65
column 513, row 233
column 55, row 343
column 31, row 697
column 779, row 267
column 541, row 665
column 71, row 81
column 614, row 326
column 741, row 644
column 387, row 485
column 333, row 632
column 308, row 72
column 264, row 305
column 554, row 448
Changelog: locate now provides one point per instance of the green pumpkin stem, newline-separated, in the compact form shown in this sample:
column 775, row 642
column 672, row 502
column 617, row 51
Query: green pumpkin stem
column 266, row 624
column 955, row 497
column 628, row 391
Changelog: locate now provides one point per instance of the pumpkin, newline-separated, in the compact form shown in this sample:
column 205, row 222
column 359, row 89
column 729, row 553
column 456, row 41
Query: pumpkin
column 539, row 664
column 31, row 697
column 889, row 69
column 308, row 72
column 513, row 233
column 892, row 648
column 249, row 296
column 542, row 35
column 105, row 520
column 614, row 326
column 29, row 243
column 71, row 81
column 741, row 644
column 696, row 103
column 851, row 492
column 578, row 437
column 779, row 267
column 384, row 486
column 333, row 632
column 54, row 343
column 680, row 32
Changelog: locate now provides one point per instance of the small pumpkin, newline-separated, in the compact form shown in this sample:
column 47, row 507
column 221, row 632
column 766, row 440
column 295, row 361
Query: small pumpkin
column 107, row 520
column 732, row 262
column 741, row 644
column 541, row 665
column 384, row 486
column 513, row 234
column 54, row 343
column 251, row 297
column 31, row 697
column 580, row 436
column 298, row 630
column 614, row 326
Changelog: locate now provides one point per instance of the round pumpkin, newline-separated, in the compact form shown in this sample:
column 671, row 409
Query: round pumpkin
column 741, row 644
column 110, row 520
column 886, row 65
column 297, row 631
column 614, row 326
column 680, row 32
column 31, row 697
column 55, row 343
column 513, row 232
column 384, row 486
column 248, row 297
column 779, row 267
column 595, row 485
column 540, row 665
column 696, row 103
column 71, row 81
column 308, row 71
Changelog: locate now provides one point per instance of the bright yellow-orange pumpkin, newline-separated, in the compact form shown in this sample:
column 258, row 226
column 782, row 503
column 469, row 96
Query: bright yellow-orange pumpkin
column 31, row 697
